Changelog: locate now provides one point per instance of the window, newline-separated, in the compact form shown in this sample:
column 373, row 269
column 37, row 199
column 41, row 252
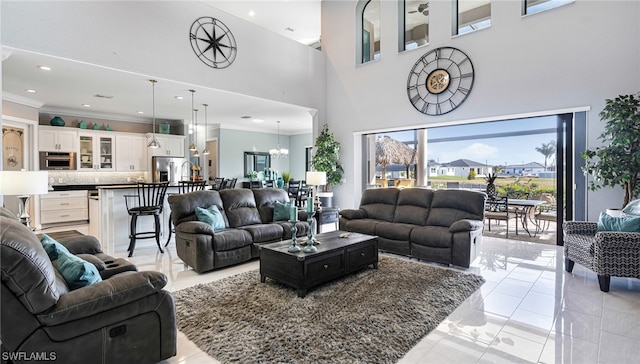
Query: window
column 414, row 24
column 471, row 15
column 536, row 6
column 368, row 19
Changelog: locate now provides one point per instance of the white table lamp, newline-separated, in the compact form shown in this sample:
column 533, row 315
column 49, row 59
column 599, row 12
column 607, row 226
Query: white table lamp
column 24, row 184
column 316, row 179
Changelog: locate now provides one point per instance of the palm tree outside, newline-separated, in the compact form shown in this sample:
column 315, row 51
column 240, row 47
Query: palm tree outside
column 547, row 150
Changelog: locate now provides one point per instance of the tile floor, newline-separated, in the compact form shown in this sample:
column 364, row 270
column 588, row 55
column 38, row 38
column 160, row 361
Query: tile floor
column 528, row 311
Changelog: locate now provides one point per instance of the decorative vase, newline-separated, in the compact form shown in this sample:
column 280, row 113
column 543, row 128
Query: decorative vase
column 82, row 124
column 280, row 182
column 57, row 121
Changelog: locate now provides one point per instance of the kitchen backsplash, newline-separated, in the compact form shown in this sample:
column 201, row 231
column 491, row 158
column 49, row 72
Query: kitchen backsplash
column 89, row 178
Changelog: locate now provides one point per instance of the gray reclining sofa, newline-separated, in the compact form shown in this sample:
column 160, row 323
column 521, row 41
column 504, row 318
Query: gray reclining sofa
column 443, row 226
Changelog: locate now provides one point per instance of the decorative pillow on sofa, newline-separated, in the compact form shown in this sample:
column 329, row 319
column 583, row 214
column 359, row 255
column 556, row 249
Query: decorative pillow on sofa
column 622, row 224
column 52, row 247
column 76, row 271
column 632, row 208
column 212, row 216
column 281, row 211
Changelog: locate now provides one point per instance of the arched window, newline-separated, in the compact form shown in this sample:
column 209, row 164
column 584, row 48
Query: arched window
column 368, row 30
column 413, row 24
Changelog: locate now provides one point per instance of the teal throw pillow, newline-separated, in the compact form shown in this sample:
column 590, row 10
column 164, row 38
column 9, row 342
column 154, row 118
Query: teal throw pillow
column 212, row 216
column 622, row 224
column 76, row 271
column 52, row 247
column 632, row 208
column 281, row 211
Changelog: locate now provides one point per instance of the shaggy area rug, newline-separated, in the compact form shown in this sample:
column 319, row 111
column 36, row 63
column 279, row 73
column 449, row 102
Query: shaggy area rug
column 373, row 316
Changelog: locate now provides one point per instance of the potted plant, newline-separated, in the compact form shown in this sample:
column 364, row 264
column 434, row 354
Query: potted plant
column 252, row 175
column 327, row 158
column 286, row 177
column 617, row 162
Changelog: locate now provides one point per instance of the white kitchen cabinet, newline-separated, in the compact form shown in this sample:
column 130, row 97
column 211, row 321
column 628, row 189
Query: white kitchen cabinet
column 96, row 151
column 131, row 153
column 170, row 145
column 64, row 206
column 57, row 139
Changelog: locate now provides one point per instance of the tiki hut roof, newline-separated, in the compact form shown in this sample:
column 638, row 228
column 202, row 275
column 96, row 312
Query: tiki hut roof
column 391, row 151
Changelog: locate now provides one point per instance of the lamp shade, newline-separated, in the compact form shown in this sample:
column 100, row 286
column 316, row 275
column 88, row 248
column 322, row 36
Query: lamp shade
column 317, row 178
column 16, row 183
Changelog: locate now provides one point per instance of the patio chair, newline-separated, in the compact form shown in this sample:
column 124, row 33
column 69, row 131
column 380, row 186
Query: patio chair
column 497, row 208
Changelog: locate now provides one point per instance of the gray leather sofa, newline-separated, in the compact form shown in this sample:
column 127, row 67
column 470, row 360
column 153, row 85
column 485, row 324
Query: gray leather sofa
column 443, row 226
column 125, row 318
column 248, row 219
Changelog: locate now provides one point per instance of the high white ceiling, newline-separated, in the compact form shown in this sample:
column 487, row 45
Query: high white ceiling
column 69, row 85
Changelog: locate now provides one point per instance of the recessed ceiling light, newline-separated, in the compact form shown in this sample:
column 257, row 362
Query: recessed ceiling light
column 45, row 68
column 257, row 120
column 31, row 91
column 140, row 112
column 86, row 105
column 245, row 117
column 179, row 97
column 251, row 13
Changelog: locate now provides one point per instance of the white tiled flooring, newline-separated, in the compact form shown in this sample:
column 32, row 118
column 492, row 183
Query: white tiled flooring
column 528, row 311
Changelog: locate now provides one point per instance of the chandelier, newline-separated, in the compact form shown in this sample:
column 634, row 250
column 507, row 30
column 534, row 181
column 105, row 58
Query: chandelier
column 279, row 152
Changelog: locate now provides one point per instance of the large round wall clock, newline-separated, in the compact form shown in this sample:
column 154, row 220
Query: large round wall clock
column 440, row 81
column 213, row 42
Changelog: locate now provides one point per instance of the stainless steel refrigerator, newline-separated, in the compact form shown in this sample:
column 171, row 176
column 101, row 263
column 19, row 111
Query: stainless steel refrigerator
column 169, row 169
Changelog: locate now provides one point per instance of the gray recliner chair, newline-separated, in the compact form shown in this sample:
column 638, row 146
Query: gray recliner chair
column 125, row 318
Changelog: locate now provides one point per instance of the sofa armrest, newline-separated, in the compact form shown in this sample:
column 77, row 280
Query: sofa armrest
column 81, row 244
column 195, row 227
column 580, row 227
column 352, row 214
column 116, row 291
column 465, row 225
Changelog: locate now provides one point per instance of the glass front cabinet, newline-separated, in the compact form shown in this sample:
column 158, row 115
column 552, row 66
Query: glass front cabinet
column 96, row 152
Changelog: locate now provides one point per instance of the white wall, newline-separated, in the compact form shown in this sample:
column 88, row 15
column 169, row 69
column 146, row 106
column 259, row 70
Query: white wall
column 570, row 57
column 151, row 38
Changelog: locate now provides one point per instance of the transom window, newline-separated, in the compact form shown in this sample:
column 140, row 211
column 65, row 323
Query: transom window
column 536, row 6
column 471, row 15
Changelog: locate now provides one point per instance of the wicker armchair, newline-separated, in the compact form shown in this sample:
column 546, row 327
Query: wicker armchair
column 607, row 253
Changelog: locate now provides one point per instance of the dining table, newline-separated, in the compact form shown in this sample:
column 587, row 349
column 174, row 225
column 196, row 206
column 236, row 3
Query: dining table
column 524, row 210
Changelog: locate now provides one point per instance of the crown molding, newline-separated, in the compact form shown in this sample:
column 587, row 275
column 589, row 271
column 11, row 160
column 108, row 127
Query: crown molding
column 6, row 96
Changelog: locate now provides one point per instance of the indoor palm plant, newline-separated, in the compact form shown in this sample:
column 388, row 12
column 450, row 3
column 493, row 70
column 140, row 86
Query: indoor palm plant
column 327, row 158
column 617, row 162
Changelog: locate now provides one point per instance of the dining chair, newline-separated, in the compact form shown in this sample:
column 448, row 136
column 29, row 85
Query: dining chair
column 294, row 190
column 185, row 187
column 217, row 183
column 149, row 201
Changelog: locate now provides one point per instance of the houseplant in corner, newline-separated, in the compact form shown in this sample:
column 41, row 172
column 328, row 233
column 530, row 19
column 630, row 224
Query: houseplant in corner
column 617, row 162
column 327, row 158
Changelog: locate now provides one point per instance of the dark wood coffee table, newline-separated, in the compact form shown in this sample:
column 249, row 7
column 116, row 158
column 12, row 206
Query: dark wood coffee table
column 335, row 258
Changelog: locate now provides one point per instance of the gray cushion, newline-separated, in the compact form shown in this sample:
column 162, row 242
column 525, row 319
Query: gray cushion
column 26, row 268
column 379, row 204
column 413, row 206
column 240, row 207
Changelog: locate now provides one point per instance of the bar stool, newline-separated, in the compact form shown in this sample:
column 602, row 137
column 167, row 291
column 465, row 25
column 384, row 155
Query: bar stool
column 148, row 202
column 185, row 187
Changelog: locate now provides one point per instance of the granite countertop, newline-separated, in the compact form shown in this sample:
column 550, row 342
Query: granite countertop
column 74, row 187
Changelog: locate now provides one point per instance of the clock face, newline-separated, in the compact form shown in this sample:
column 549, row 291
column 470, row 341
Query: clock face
column 440, row 81
column 213, row 42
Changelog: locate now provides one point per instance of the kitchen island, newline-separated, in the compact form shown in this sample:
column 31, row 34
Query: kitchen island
column 114, row 220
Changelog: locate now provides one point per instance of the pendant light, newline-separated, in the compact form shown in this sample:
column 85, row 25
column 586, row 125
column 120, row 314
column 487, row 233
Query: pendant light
column 279, row 152
column 153, row 143
column 205, row 151
column 195, row 133
column 192, row 146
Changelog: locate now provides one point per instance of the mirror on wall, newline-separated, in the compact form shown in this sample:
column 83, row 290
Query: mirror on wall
column 256, row 161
